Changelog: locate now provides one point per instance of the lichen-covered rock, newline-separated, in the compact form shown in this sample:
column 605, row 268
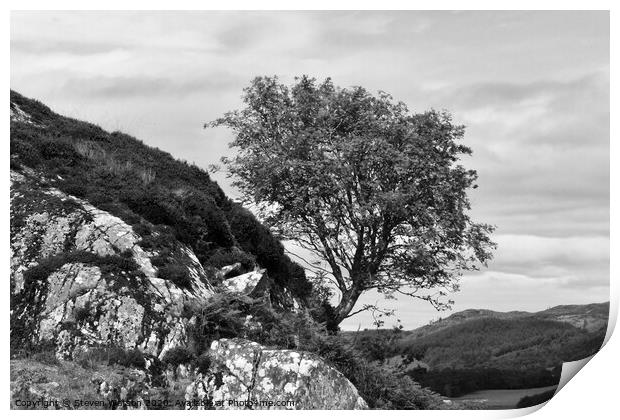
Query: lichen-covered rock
column 80, row 279
column 245, row 374
column 245, row 283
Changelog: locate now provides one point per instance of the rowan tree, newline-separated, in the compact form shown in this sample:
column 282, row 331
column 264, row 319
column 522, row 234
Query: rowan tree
column 377, row 193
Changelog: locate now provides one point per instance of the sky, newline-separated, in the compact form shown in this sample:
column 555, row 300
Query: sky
column 532, row 88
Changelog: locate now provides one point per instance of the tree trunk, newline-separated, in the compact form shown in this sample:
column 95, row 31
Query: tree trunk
column 348, row 301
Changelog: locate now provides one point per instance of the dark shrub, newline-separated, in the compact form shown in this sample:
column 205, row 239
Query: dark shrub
column 81, row 314
column 142, row 229
column 227, row 256
column 15, row 165
column 42, row 270
column 160, row 260
column 129, row 358
column 177, row 274
column 76, row 189
column 177, row 356
column 203, row 363
column 111, row 355
column 24, row 152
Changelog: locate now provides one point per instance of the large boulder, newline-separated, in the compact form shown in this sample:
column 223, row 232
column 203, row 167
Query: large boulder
column 80, row 279
column 245, row 375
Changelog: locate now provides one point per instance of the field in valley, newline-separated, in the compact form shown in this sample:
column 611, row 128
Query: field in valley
column 501, row 398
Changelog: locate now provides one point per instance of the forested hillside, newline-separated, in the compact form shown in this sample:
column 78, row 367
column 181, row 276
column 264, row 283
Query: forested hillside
column 481, row 349
column 495, row 343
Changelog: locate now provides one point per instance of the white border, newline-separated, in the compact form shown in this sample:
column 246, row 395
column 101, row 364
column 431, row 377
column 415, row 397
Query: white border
column 591, row 395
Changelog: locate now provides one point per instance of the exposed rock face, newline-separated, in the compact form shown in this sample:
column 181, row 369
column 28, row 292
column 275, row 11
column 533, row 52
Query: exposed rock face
column 90, row 283
column 18, row 115
column 252, row 376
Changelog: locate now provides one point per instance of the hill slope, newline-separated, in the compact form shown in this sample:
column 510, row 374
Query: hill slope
column 159, row 196
column 481, row 349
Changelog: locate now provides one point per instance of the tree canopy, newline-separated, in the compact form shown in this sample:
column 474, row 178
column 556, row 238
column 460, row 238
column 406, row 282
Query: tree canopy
column 375, row 191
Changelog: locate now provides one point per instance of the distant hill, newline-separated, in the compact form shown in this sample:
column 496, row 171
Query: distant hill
column 591, row 317
column 482, row 349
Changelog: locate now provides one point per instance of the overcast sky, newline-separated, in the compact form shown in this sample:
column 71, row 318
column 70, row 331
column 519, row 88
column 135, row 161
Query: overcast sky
column 531, row 87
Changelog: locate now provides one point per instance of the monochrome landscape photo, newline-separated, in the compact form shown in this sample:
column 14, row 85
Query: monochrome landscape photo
column 306, row 210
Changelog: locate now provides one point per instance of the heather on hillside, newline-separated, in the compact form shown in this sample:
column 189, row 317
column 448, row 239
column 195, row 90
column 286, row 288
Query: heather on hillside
column 149, row 189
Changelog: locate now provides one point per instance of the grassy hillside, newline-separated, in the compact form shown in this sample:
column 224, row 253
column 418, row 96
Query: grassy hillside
column 161, row 197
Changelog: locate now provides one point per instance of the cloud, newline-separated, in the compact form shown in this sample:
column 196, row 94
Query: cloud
column 569, row 262
column 341, row 34
column 565, row 114
column 542, row 152
column 144, row 86
column 51, row 46
column 497, row 94
column 244, row 32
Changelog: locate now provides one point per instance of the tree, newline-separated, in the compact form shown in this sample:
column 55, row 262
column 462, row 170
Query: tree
column 374, row 191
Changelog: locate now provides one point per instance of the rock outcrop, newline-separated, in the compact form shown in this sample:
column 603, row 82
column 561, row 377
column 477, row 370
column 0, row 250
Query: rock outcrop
column 246, row 375
column 80, row 279
column 244, row 283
